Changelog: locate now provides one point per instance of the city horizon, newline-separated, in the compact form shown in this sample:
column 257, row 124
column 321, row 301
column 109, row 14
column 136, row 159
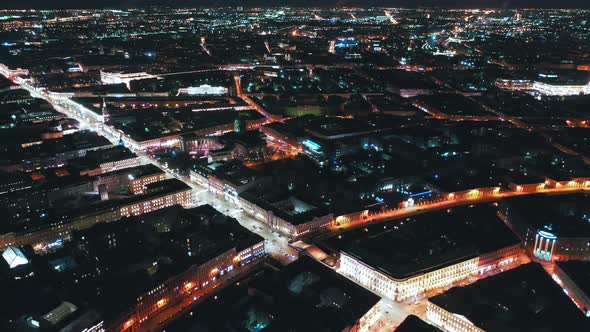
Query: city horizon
column 297, row 168
column 450, row 4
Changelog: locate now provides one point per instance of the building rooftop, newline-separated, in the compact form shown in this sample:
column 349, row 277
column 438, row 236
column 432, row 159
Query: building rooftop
column 523, row 299
column 303, row 296
column 139, row 171
column 93, row 205
column 335, row 128
column 150, row 249
column 427, row 242
column 161, row 122
column 578, row 272
column 562, row 215
column 286, row 206
column 93, row 159
column 414, row 324
column 234, row 172
column 248, row 139
column 402, row 79
column 563, row 77
column 455, row 105
column 52, row 148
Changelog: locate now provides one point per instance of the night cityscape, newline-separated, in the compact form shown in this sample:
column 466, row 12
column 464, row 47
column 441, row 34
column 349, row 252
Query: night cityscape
column 260, row 167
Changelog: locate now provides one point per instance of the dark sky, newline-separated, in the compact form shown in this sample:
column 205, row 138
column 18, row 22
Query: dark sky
column 402, row 3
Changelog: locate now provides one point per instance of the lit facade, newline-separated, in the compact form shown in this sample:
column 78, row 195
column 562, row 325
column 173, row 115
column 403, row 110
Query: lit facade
column 136, row 185
column 193, row 143
column 128, row 180
column 196, row 278
column 118, row 78
column 542, row 240
column 548, row 247
column 449, row 321
column 383, row 284
column 62, row 229
column 199, row 178
column 544, row 245
column 515, row 85
column 203, row 90
column 113, row 181
column 174, row 140
column 160, row 142
column 561, row 90
column 11, row 73
column 369, row 319
column 279, row 224
column 281, row 141
column 179, row 198
column 260, row 210
column 571, row 289
column 576, row 183
column 120, row 164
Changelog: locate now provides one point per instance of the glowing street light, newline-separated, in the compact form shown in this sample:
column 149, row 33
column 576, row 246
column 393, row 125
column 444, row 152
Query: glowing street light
column 128, row 323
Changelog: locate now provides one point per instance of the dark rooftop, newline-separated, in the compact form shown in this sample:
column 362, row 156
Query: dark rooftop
column 564, row 215
column 523, row 299
column 304, row 296
column 151, row 248
column 426, row 242
column 51, row 148
column 94, row 159
column 285, row 206
column 153, row 190
column 579, row 273
column 414, row 324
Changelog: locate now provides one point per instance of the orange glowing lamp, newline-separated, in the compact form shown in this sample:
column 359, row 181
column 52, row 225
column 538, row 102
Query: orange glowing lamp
column 128, row 323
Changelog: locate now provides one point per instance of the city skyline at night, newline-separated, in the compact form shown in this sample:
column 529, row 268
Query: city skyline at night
column 294, row 166
column 506, row 4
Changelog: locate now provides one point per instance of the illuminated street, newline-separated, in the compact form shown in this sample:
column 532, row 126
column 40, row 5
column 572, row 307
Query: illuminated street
column 277, row 245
